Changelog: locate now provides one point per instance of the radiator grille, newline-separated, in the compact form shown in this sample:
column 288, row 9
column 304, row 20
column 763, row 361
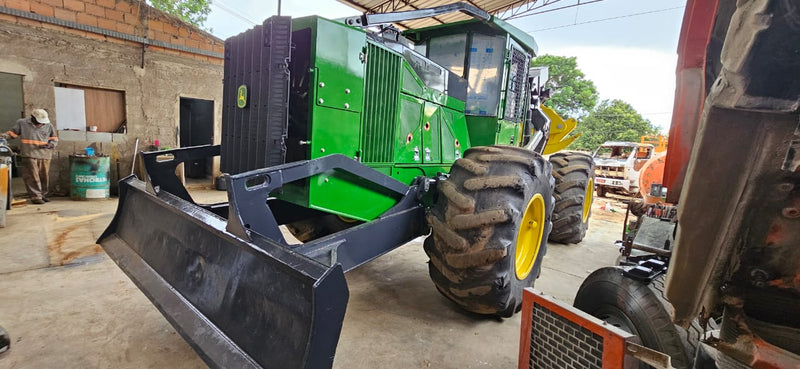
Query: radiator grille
column 381, row 91
column 515, row 93
column 610, row 171
column 557, row 343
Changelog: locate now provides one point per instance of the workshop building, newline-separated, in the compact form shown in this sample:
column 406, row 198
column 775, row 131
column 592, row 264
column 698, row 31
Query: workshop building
column 110, row 72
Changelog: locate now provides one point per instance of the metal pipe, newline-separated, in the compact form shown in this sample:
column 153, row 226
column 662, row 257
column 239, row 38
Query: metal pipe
column 135, row 149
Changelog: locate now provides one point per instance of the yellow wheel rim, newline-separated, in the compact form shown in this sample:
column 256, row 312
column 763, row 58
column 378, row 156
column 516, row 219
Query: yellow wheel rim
column 529, row 237
column 587, row 199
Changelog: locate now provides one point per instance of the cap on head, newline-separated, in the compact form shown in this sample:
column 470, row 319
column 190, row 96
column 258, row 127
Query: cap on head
column 41, row 116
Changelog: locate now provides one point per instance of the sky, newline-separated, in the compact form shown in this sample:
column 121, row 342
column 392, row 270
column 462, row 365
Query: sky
column 627, row 47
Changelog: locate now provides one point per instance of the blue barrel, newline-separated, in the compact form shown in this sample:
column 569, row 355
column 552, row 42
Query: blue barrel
column 88, row 177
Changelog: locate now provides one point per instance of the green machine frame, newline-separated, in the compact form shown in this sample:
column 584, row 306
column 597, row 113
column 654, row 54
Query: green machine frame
column 382, row 99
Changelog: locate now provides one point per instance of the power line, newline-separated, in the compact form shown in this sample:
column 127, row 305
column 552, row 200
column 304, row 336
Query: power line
column 233, row 12
column 522, row 15
column 527, row 13
column 608, row 19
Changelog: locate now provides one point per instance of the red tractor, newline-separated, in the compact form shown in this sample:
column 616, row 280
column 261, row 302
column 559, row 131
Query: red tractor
column 712, row 280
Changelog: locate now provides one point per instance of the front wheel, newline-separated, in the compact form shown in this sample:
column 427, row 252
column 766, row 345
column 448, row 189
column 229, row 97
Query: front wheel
column 489, row 228
column 640, row 309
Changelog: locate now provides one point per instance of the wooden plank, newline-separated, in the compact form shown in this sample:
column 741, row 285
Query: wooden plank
column 104, row 108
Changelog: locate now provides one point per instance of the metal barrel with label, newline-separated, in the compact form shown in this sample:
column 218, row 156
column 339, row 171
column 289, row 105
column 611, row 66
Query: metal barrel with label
column 89, row 177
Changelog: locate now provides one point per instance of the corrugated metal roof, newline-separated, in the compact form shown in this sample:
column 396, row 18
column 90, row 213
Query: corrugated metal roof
column 389, row 6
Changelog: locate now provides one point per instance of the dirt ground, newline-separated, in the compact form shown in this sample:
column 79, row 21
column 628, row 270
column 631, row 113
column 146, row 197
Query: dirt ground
column 67, row 305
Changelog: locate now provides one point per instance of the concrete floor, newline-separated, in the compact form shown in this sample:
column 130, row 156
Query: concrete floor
column 67, row 305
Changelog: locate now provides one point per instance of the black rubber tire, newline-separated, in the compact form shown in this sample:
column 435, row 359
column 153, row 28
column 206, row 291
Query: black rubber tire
column 5, row 341
column 690, row 336
column 321, row 226
column 474, row 224
column 608, row 295
column 637, row 207
column 573, row 171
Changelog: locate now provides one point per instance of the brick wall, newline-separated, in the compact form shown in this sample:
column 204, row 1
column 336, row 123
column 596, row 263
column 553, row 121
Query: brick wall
column 154, row 78
column 130, row 17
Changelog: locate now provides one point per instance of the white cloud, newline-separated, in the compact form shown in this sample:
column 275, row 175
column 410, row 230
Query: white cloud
column 641, row 77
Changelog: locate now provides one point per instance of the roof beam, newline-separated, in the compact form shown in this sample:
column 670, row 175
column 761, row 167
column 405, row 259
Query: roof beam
column 409, row 15
column 395, row 7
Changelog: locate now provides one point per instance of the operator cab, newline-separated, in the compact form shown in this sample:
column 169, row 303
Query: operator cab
column 492, row 59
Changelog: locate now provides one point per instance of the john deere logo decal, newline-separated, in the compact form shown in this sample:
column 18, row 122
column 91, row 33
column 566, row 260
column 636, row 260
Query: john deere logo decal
column 241, row 97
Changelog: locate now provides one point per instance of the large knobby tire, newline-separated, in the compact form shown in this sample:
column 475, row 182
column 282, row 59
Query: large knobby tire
column 476, row 220
column 640, row 309
column 574, row 192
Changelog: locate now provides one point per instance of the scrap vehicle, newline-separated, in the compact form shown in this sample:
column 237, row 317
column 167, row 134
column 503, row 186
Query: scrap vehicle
column 711, row 277
column 358, row 138
column 618, row 165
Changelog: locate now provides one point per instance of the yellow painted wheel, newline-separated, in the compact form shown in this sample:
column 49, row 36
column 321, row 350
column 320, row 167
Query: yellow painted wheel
column 587, row 200
column 529, row 237
column 494, row 195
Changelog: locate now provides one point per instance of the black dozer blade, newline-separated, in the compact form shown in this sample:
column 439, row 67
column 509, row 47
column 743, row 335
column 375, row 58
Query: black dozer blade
column 240, row 304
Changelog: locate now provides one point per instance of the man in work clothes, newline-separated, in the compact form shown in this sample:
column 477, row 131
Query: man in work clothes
column 38, row 141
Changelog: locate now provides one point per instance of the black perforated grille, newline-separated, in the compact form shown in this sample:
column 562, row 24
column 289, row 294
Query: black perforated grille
column 557, row 343
column 516, row 86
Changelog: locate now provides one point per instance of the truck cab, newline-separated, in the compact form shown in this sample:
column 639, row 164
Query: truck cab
column 618, row 165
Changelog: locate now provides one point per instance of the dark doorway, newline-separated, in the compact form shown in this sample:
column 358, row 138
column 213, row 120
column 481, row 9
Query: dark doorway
column 197, row 128
column 11, row 107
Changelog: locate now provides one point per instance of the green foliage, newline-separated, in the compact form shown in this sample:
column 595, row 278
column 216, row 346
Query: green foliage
column 612, row 120
column 573, row 95
column 194, row 12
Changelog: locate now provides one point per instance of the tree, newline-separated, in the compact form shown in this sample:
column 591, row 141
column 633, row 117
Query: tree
column 612, row 120
column 194, row 12
column 573, row 95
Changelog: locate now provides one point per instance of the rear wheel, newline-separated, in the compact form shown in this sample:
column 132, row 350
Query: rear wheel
column 574, row 192
column 639, row 309
column 490, row 225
